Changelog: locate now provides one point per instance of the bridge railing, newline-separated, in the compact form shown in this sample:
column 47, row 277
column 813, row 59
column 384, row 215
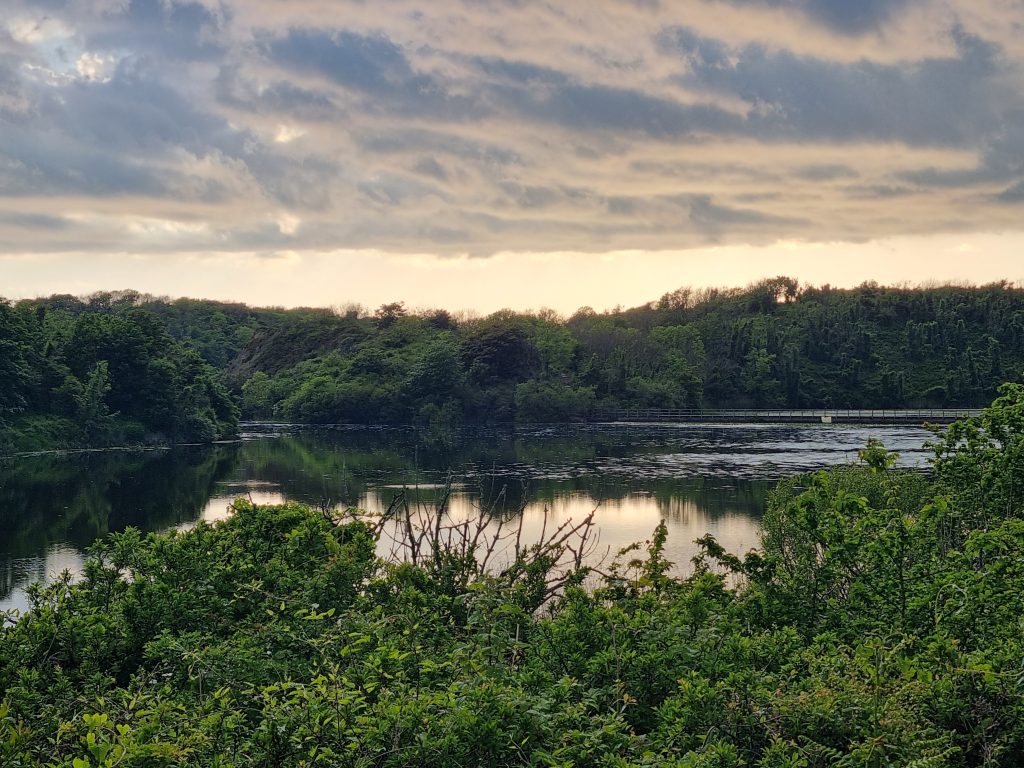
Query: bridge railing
column 784, row 414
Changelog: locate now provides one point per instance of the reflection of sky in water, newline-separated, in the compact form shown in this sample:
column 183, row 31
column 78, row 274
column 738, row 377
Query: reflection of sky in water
column 219, row 506
column 619, row 522
column 725, row 450
column 698, row 478
column 18, row 573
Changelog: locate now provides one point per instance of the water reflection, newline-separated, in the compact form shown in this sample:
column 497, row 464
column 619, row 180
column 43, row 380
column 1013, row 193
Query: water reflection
column 732, row 518
column 699, row 479
column 54, row 506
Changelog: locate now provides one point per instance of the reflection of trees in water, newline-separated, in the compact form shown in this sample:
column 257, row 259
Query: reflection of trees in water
column 17, row 573
column 14, row 573
column 74, row 499
column 310, row 468
column 716, row 496
column 410, row 449
column 77, row 498
column 677, row 500
column 498, row 467
column 713, row 496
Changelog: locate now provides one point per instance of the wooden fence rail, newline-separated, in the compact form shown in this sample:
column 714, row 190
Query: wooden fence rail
column 791, row 415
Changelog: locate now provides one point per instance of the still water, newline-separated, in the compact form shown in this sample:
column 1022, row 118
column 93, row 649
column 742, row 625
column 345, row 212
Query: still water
column 699, row 479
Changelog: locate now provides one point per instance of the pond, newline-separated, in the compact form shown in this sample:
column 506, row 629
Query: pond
column 698, row 478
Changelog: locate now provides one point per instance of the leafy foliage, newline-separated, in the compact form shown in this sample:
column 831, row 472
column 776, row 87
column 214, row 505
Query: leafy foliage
column 878, row 625
column 100, row 378
column 772, row 344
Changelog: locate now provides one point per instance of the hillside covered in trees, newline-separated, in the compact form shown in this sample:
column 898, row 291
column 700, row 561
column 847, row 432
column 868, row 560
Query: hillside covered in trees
column 775, row 343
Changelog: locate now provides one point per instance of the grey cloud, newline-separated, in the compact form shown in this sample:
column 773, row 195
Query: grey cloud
column 109, row 138
column 703, row 170
column 126, row 136
column 304, row 183
column 621, row 205
column 15, row 101
column 757, row 197
column 826, row 172
column 280, row 97
column 1012, row 194
column 530, row 195
column 947, row 178
column 175, row 29
column 371, row 65
column 708, row 216
column 851, row 17
column 11, row 50
column 394, row 190
column 418, row 140
column 713, row 217
column 878, row 191
column 525, row 90
column 1002, row 159
column 135, row 112
column 404, row 140
column 603, row 108
column 429, row 166
column 937, row 101
column 41, row 163
column 34, row 221
column 447, row 235
column 519, row 73
column 539, row 196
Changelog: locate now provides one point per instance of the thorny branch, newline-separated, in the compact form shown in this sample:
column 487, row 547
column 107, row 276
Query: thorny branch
column 493, row 543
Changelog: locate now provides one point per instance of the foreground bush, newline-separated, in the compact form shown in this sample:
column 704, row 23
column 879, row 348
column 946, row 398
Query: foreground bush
column 880, row 625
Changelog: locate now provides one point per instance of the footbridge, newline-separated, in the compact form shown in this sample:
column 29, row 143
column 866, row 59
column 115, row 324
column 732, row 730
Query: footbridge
column 910, row 417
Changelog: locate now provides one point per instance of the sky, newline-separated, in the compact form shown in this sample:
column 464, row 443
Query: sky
column 480, row 154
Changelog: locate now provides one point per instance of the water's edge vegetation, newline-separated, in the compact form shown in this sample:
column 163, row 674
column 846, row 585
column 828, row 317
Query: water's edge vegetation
column 879, row 625
column 99, row 379
column 127, row 367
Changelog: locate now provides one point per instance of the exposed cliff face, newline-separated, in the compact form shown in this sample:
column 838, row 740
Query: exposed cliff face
column 272, row 350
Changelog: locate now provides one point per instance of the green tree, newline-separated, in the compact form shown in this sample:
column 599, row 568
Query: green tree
column 93, row 413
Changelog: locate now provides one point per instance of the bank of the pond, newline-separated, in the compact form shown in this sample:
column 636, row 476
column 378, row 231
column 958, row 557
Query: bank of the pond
column 698, row 479
column 878, row 624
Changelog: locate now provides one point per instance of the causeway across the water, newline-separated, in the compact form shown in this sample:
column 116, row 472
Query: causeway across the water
column 911, row 416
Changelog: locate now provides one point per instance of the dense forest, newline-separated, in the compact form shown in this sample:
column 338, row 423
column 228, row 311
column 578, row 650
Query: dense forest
column 95, row 378
column 774, row 343
column 878, row 625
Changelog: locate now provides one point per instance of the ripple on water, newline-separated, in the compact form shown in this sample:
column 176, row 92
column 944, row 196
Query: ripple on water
column 699, row 478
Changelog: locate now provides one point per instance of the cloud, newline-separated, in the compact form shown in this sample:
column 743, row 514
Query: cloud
column 464, row 126
column 850, row 17
column 34, row 221
column 172, row 29
column 795, row 97
column 370, row 65
column 281, row 98
column 125, row 135
column 1012, row 194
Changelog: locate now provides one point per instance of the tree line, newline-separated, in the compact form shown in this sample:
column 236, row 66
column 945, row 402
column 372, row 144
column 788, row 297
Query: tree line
column 775, row 343
column 102, row 378
column 772, row 344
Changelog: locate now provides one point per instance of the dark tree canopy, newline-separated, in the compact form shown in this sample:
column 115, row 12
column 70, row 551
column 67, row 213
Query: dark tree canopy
column 773, row 344
column 72, row 378
column 776, row 343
